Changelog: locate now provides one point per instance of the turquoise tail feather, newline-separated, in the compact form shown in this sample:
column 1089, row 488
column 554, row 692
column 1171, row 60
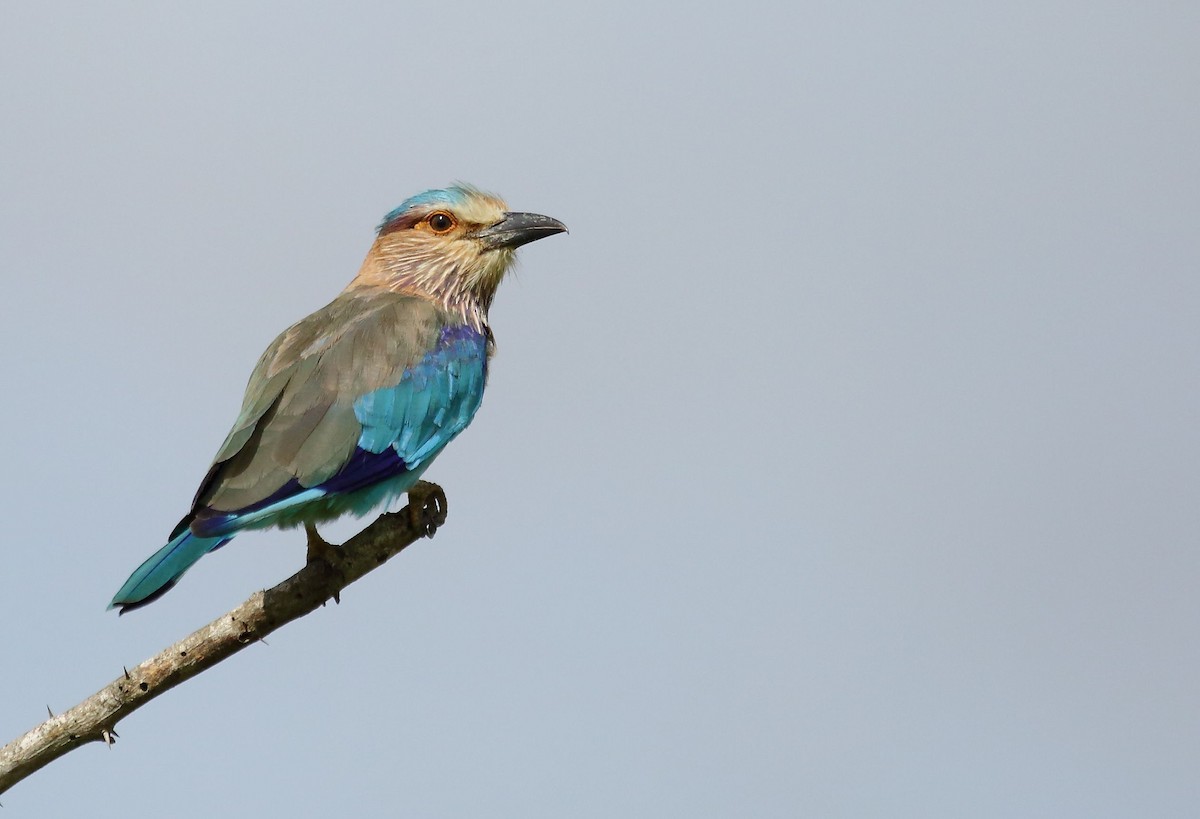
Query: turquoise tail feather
column 163, row 569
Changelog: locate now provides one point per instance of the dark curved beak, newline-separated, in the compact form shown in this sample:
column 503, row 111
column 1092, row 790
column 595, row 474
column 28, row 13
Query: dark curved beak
column 517, row 229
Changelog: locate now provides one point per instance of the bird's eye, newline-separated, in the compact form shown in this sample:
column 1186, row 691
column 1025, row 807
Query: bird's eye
column 440, row 222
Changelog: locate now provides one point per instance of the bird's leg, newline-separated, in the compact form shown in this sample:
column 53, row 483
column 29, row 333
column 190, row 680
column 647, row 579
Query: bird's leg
column 321, row 550
column 318, row 547
column 426, row 507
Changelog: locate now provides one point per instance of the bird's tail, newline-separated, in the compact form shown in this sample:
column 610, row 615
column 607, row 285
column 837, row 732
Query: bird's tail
column 162, row 570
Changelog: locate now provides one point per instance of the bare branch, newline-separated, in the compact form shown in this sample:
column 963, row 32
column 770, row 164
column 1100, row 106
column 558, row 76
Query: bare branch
column 95, row 719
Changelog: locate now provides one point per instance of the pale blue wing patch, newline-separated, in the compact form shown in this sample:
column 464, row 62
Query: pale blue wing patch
column 434, row 401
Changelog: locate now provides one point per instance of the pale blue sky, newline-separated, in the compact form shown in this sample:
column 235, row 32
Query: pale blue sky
column 842, row 461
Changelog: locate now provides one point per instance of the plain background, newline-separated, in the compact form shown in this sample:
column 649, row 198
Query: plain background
column 842, row 461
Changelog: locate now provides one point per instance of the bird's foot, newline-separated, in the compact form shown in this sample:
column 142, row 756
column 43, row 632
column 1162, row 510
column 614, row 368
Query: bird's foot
column 321, row 550
column 426, row 507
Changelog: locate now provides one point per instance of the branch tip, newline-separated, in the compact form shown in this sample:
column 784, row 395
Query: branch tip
column 261, row 614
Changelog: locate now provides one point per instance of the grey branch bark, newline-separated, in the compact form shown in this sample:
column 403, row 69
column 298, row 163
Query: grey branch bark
column 95, row 719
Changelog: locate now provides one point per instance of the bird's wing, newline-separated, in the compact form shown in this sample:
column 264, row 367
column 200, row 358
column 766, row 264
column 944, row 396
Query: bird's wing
column 367, row 388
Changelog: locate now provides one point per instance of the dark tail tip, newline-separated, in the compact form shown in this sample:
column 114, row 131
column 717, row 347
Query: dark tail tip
column 145, row 601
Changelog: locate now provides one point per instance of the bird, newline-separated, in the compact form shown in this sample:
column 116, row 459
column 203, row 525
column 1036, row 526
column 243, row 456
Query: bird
column 347, row 408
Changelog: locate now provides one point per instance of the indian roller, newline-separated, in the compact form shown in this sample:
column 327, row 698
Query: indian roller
column 348, row 407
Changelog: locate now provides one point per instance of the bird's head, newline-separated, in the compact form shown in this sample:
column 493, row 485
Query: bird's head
column 453, row 244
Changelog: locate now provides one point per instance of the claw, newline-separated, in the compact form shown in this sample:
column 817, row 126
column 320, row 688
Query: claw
column 426, row 507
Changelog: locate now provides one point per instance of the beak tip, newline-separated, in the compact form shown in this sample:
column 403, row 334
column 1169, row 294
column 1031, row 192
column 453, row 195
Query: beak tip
column 517, row 229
